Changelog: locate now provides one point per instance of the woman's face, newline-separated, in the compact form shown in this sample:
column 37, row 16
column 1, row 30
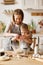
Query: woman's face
column 18, row 19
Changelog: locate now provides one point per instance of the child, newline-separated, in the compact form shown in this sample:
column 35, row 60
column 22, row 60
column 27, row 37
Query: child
column 25, row 39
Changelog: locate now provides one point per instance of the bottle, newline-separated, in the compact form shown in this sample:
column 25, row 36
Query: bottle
column 36, row 49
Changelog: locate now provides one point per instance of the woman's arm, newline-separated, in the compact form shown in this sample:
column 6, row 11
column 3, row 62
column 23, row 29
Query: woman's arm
column 10, row 27
column 17, row 38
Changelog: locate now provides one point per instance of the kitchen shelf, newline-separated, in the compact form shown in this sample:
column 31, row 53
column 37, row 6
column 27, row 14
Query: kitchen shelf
column 33, row 10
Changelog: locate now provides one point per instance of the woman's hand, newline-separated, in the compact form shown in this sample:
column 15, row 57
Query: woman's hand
column 15, row 38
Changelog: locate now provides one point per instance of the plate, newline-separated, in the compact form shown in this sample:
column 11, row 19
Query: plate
column 4, row 58
column 38, row 59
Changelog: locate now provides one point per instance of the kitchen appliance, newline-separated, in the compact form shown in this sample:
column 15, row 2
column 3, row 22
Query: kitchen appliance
column 41, row 45
column 39, row 42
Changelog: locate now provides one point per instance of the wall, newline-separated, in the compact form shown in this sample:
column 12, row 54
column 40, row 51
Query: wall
column 3, row 17
column 28, row 18
column 27, row 14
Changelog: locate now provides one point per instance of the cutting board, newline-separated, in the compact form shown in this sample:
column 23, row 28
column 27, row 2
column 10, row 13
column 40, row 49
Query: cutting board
column 38, row 59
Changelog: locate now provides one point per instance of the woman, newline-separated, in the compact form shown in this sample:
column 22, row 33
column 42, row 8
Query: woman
column 15, row 25
column 17, row 21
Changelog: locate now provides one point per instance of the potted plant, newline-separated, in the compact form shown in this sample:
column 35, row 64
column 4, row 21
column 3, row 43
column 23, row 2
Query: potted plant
column 33, row 27
column 2, row 27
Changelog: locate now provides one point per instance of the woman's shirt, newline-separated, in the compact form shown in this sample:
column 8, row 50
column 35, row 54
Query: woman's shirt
column 15, row 29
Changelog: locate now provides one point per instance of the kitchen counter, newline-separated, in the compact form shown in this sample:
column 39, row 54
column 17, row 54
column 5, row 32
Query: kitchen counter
column 37, row 34
column 21, row 61
column 7, row 34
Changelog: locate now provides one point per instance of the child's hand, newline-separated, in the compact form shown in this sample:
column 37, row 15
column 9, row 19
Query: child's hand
column 22, row 37
column 26, row 39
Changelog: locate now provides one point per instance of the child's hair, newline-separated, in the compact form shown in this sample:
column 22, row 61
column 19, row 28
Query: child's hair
column 24, row 26
column 18, row 12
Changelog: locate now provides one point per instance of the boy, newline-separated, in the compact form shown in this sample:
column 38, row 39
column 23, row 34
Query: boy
column 25, row 39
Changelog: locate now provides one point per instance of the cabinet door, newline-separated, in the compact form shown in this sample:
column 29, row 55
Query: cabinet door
column 35, row 4
column 28, row 3
column 40, row 2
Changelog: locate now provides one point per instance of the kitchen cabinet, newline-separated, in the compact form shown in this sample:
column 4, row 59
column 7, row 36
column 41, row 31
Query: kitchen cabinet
column 28, row 4
column 34, row 4
column 40, row 2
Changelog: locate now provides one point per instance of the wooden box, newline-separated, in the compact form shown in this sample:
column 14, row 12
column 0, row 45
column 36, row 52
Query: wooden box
column 9, row 1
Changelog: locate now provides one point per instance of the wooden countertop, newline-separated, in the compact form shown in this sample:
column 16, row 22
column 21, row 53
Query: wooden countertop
column 21, row 61
column 37, row 34
column 7, row 34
